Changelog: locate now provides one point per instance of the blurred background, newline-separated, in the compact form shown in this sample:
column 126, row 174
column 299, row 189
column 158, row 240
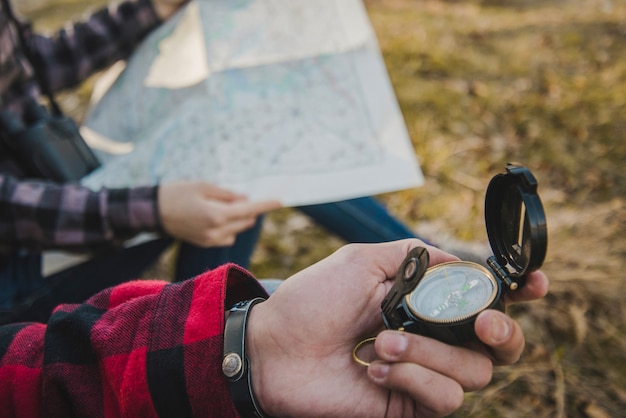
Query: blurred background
column 481, row 83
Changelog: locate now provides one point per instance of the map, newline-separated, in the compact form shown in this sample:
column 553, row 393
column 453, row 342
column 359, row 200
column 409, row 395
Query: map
column 276, row 99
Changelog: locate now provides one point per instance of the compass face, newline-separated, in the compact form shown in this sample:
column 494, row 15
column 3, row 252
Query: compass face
column 452, row 292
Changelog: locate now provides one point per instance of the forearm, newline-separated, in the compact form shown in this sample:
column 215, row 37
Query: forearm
column 144, row 348
column 106, row 36
column 36, row 215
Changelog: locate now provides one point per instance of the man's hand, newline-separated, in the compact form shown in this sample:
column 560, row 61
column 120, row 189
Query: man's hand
column 206, row 215
column 300, row 343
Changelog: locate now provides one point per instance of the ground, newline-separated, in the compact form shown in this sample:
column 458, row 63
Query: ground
column 481, row 83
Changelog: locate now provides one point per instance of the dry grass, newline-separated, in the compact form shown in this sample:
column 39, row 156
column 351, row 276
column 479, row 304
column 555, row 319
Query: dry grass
column 544, row 83
column 481, row 83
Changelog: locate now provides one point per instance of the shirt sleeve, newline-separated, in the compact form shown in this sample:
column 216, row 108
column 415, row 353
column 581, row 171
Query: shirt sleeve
column 36, row 215
column 86, row 46
column 143, row 348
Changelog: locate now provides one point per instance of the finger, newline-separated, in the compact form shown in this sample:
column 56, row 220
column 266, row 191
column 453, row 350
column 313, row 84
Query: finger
column 501, row 334
column 214, row 192
column 438, row 256
column 434, row 392
column 263, row 206
column 234, row 227
column 470, row 369
column 388, row 256
column 536, row 287
column 240, row 210
column 226, row 234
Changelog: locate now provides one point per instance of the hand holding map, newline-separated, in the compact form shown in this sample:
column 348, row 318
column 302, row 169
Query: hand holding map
column 273, row 99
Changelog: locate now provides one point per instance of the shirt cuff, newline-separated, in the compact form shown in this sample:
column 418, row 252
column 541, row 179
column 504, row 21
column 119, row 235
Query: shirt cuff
column 133, row 210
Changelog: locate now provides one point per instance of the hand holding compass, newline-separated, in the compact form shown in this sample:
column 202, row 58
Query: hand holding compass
column 301, row 341
column 443, row 301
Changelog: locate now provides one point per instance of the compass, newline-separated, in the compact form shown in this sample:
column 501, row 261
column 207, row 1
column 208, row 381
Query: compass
column 443, row 301
column 452, row 290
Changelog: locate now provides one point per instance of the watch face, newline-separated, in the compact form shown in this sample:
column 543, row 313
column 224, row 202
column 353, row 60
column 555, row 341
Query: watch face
column 453, row 292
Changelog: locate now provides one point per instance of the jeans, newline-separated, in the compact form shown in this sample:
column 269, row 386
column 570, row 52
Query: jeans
column 27, row 296
column 363, row 220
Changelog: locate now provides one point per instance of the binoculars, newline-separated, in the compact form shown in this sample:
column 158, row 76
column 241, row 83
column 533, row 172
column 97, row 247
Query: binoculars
column 46, row 146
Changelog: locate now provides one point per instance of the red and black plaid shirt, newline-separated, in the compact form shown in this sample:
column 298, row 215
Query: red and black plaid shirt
column 141, row 349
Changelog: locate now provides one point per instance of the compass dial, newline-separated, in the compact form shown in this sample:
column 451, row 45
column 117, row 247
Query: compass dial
column 452, row 292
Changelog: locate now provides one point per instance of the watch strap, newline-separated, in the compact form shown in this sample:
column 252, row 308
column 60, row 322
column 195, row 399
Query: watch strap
column 235, row 363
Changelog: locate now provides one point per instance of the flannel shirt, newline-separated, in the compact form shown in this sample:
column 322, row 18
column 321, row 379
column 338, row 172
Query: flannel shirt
column 140, row 349
column 35, row 215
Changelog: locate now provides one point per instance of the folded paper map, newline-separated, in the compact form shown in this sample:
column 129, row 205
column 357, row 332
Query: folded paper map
column 276, row 99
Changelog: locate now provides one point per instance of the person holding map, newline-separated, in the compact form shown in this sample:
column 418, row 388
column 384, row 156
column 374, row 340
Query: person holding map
column 151, row 348
column 38, row 214
column 213, row 225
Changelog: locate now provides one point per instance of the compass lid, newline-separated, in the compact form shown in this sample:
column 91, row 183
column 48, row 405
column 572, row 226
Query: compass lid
column 516, row 222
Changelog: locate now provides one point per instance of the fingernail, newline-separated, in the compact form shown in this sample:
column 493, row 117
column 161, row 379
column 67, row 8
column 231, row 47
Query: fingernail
column 500, row 329
column 379, row 371
column 394, row 344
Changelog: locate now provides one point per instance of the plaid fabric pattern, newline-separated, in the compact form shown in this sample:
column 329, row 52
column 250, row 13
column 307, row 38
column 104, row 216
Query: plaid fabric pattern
column 141, row 349
column 70, row 56
column 90, row 45
column 39, row 215
column 36, row 215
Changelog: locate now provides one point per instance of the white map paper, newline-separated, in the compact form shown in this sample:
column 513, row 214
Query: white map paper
column 277, row 99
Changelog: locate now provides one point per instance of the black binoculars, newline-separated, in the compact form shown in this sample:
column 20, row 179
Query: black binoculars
column 47, row 146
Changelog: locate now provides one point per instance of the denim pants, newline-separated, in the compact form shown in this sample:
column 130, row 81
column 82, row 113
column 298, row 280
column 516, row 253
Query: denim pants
column 363, row 220
column 27, row 296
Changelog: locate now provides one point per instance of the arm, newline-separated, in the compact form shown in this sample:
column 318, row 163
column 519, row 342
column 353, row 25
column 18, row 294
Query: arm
column 146, row 347
column 300, row 343
column 88, row 45
column 128, row 350
column 37, row 214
